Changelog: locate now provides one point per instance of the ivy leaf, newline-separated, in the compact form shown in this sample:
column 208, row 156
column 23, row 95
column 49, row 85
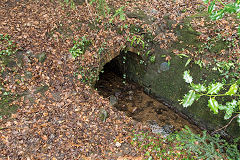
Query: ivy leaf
column 215, row 88
column 232, row 90
column 213, row 104
column 189, row 98
column 187, row 77
column 198, row 87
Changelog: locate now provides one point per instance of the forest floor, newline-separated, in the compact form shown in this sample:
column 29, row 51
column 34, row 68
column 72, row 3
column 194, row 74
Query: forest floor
column 58, row 116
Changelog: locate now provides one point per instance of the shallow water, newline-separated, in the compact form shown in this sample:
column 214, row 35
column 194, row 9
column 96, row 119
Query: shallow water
column 129, row 97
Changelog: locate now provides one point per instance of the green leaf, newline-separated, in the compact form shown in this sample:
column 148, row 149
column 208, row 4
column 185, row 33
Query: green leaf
column 238, row 81
column 238, row 15
column 211, row 7
column 230, row 106
column 213, row 105
column 147, row 153
column 232, row 90
column 187, row 77
column 215, row 88
column 134, row 38
column 206, row 1
column 217, row 15
column 150, row 158
column 122, row 17
column 231, row 8
column 188, row 61
column 221, row 107
column 227, row 116
column 198, row 87
column 189, row 98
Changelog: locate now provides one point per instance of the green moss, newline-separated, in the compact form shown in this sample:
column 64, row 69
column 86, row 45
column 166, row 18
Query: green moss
column 218, row 45
column 169, row 86
column 138, row 14
column 135, row 28
column 6, row 108
column 42, row 89
column 187, row 37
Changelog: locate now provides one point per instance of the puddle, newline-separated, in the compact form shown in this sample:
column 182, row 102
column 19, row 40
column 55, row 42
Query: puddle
column 130, row 98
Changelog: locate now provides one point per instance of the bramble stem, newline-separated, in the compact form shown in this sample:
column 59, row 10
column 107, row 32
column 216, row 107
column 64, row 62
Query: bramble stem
column 218, row 95
column 224, row 127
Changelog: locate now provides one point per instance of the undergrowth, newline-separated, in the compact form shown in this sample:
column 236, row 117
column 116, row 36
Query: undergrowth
column 185, row 145
column 7, row 49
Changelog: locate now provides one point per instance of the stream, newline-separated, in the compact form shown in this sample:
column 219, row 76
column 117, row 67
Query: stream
column 130, row 98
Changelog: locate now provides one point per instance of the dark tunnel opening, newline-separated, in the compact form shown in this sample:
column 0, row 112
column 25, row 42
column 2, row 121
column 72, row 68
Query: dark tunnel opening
column 127, row 96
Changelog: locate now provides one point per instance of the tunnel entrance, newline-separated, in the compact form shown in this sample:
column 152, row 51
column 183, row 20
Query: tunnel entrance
column 129, row 97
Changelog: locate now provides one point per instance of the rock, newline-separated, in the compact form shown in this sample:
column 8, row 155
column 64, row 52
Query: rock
column 153, row 11
column 147, row 90
column 28, row 75
column 26, row 59
column 79, row 2
column 168, row 128
column 118, row 144
column 165, row 130
column 103, row 115
column 41, row 89
column 163, row 67
column 113, row 100
column 117, row 93
column 56, row 96
column 41, row 57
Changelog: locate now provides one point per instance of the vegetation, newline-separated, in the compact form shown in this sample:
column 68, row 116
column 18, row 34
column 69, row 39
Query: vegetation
column 101, row 6
column 227, row 69
column 205, row 146
column 8, row 48
column 212, row 91
column 80, row 47
column 217, row 11
column 185, row 145
column 67, row 105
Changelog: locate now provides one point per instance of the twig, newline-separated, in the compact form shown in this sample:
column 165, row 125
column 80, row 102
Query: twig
column 224, row 127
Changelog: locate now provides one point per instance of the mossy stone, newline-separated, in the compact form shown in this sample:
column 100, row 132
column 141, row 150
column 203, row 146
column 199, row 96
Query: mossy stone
column 41, row 57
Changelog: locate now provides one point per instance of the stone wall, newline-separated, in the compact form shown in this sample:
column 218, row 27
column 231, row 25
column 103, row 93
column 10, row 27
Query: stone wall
column 166, row 84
